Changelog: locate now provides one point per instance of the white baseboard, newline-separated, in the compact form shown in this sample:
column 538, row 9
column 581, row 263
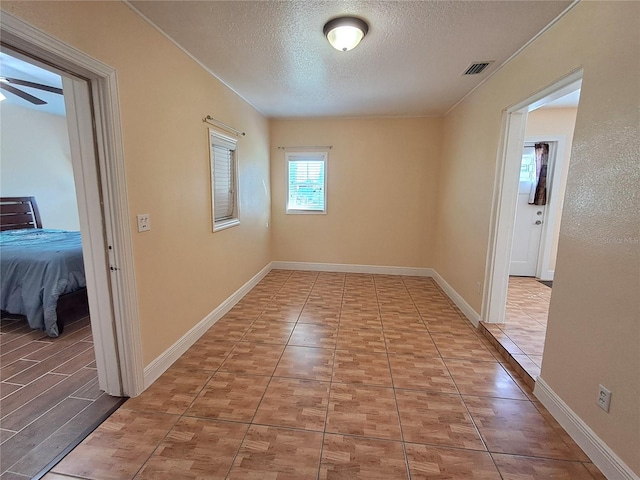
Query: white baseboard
column 460, row 302
column 160, row 364
column 547, row 275
column 600, row 454
column 348, row 268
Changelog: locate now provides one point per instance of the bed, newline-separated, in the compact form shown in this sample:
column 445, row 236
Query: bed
column 42, row 270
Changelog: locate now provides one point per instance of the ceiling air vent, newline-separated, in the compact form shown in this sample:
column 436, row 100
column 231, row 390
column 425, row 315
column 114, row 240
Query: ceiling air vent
column 476, row 68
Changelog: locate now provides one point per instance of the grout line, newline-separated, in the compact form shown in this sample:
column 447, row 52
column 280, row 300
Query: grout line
column 271, row 376
column 426, row 325
column 351, row 435
column 395, row 397
column 333, row 366
column 15, row 384
column 493, row 460
column 172, row 427
column 442, row 359
column 31, row 420
column 536, row 457
column 44, row 344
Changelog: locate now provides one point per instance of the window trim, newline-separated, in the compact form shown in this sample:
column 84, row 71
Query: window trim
column 223, row 140
column 323, row 156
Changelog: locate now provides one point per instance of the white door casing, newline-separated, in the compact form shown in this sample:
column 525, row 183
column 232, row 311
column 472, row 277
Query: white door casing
column 506, row 191
column 503, row 212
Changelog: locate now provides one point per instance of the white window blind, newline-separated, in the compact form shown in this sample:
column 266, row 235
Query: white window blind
column 223, row 171
column 306, row 182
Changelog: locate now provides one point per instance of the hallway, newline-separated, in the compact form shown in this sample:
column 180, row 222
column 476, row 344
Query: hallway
column 328, row 376
column 523, row 333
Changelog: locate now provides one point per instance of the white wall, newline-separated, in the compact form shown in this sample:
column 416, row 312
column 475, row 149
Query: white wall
column 35, row 160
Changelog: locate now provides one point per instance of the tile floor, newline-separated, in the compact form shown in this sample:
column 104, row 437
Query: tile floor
column 49, row 394
column 334, row 376
column 523, row 333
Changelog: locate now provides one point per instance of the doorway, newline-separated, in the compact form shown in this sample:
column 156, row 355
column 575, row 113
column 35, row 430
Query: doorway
column 95, row 135
column 51, row 391
column 91, row 101
column 521, row 265
column 527, row 229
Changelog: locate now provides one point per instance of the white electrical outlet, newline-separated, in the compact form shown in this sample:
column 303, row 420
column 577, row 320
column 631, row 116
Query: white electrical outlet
column 478, row 287
column 604, row 398
column 144, row 222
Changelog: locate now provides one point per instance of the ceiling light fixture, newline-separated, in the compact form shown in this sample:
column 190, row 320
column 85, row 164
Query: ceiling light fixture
column 345, row 33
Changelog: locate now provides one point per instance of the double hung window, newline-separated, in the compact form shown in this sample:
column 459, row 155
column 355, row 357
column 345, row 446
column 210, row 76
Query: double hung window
column 224, row 180
column 306, row 182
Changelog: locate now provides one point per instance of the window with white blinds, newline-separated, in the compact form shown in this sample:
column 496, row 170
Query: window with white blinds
column 223, row 180
column 307, row 182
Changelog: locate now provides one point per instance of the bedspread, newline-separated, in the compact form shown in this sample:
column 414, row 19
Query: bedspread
column 36, row 267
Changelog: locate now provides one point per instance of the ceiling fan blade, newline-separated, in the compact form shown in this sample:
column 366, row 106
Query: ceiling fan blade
column 39, row 86
column 21, row 94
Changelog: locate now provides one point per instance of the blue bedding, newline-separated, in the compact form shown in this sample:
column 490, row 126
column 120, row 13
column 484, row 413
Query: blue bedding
column 36, row 267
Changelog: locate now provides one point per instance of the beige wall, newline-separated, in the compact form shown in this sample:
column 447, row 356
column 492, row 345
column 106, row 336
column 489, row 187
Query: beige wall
column 594, row 324
column 183, row 270
column 381, row 192
column 555, row 122
column 35, row 160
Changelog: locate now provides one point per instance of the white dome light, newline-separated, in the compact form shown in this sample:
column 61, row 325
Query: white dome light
column 345, row 33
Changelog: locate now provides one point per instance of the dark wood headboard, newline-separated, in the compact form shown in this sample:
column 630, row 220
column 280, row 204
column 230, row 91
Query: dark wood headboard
column 19, row 212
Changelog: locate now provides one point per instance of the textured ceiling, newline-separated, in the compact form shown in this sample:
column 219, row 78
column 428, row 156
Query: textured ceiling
column 274, row 54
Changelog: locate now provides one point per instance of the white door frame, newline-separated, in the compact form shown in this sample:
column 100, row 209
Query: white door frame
column 505, row 194
column 101, row 188
column 557, row 145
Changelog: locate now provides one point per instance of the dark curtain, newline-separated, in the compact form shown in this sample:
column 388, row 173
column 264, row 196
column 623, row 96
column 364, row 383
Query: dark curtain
column 539, row 194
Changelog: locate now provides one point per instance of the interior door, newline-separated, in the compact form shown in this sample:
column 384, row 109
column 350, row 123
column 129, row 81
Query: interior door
column 528, row 222
column 87, row 179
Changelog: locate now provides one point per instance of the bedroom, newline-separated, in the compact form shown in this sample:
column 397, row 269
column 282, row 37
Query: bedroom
column 40, row 371
column 161, row 173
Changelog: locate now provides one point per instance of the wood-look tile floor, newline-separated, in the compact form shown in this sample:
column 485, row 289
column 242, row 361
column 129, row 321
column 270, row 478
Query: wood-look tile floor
column 523, row 333
column 334, row 376
column 49, row 394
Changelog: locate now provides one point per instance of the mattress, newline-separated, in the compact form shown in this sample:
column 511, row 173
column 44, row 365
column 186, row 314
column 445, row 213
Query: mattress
column 37, row 266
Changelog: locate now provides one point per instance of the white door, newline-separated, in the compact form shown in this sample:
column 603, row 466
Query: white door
column 77, row 102
column 527, row 230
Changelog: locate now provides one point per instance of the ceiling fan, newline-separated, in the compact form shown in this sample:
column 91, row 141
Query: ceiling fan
column 4, row 85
